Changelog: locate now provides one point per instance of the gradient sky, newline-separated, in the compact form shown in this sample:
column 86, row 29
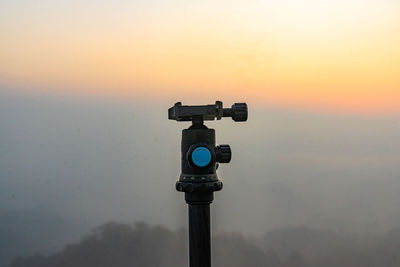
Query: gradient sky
column 305, row 157
column 340, row 56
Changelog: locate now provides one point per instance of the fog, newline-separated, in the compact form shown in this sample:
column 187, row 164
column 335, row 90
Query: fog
column 69, row 163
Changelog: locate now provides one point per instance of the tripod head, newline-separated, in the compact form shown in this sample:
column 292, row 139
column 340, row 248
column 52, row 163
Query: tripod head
column 200, row 156
column 238, row 112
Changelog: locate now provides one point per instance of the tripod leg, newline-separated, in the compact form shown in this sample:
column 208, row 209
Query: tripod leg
column 199, row 235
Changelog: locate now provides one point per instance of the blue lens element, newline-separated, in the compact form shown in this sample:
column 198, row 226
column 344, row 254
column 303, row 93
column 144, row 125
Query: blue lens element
column 201, row 156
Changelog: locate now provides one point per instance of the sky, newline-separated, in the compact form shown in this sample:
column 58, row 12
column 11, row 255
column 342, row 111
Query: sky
column 337, row 56
column 85, row 87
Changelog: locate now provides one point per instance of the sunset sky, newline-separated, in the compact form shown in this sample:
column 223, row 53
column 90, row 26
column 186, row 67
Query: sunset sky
column 341, row 56
column 85, row 86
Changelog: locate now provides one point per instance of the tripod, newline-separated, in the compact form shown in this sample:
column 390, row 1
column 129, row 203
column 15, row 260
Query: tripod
column 199, row 162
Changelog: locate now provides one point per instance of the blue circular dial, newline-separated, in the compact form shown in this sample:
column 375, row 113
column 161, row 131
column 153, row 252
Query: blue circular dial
column 201, row 156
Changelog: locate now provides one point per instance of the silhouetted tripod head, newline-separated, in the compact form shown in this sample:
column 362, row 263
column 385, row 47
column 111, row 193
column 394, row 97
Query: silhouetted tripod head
column 238, row 112
column 200, row 156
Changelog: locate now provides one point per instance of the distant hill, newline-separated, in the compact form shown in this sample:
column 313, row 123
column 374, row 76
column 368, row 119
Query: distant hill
column 25, row 232
column 121, row 245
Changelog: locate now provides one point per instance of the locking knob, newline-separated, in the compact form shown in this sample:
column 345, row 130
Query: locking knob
column 223, row 153
column 239, row 112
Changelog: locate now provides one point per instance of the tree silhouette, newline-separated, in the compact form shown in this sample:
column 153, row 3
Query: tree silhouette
column 121, row 245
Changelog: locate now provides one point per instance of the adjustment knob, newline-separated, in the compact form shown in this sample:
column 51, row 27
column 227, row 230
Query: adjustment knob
column 239, row 112
column 200, row 156
column 223, row 153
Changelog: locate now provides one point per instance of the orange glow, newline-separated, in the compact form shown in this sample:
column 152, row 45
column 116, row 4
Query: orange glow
column 342, row 56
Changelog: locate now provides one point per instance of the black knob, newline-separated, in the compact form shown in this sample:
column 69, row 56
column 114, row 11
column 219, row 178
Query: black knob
column 223, row 153
column 239, row 112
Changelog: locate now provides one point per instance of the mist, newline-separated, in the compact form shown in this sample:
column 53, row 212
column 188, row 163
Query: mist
column 71, row 163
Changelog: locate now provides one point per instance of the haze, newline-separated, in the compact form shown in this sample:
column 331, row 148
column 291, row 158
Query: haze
column 84, row 136
column 71, row 163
